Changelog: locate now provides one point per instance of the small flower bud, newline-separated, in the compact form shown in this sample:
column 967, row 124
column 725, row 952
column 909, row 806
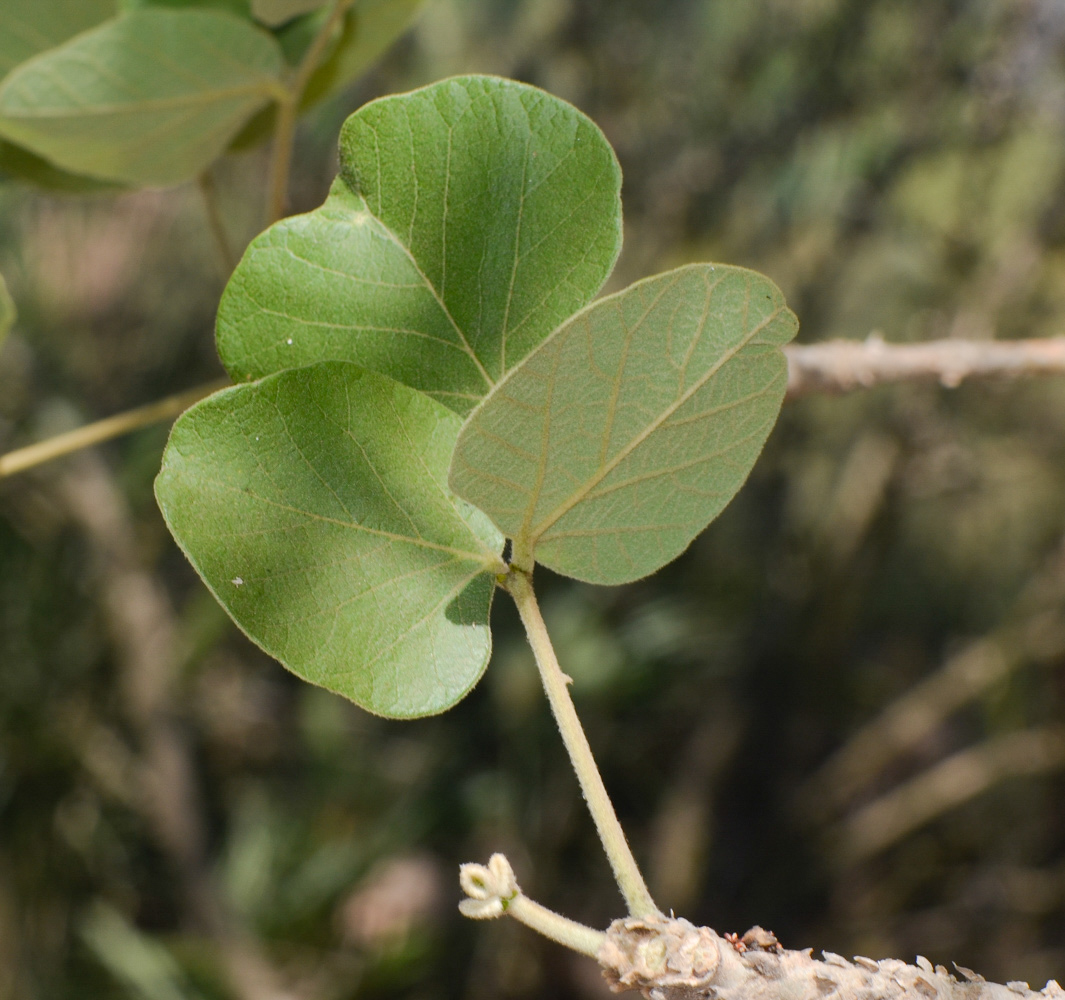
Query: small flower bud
column 489, row 887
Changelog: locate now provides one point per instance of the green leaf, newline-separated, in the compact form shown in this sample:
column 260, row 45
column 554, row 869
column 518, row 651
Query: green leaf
column 7, row 311
column 613, row 445
column 151, row 97
column 31, row 26
column 314, row 504
column 275, row 12
column 470, row 218
column 20, row 164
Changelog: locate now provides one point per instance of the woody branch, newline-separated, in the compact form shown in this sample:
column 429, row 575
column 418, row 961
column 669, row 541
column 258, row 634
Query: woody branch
column 838, row 366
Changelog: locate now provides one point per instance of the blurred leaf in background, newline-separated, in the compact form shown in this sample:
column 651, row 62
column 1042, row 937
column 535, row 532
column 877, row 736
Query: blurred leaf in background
column 151, row 97
column 28, row 27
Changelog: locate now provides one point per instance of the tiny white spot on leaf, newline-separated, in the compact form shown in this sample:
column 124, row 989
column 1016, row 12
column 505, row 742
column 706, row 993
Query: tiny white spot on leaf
column 237, row 581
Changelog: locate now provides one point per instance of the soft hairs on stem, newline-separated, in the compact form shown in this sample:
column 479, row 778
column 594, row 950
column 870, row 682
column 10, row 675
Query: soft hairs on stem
column 626, row 871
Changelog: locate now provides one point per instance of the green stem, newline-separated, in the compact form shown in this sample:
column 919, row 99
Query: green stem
column 626, row 871
column 288, row 107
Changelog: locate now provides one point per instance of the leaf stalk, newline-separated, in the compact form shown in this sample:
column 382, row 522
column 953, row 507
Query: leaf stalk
column 556, row 684
column 288, row 106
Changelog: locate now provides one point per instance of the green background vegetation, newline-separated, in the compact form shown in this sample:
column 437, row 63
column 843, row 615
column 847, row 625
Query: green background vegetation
column 896, row 167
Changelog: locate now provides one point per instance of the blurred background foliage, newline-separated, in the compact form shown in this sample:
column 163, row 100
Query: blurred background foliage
column 839, row 714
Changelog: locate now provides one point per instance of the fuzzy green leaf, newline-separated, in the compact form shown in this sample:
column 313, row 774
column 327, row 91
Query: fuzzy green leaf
column 314, row 504
column 470, row 218
column 151, row 97
column 616, row 442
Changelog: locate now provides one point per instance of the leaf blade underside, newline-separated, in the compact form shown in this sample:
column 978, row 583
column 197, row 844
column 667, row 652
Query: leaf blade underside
column 314, row 505
column 470, row 218
column 623, row 435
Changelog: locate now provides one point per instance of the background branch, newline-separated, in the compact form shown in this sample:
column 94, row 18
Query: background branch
column 838, row 366
column 213, row 211
column 288, row 111
column 957, row 779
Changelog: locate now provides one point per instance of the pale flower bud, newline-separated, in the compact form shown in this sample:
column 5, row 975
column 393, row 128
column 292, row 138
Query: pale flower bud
column 489, row 887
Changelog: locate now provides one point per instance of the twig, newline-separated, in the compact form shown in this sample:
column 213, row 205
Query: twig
column 103, row 430
column 492, row 890
column 288, row 109
column 626, row 871
column 951, row 782
column 215, row 223
column 838, row 366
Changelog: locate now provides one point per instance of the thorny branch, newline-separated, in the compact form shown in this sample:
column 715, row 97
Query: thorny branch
column 670, row 959
column 667, row 958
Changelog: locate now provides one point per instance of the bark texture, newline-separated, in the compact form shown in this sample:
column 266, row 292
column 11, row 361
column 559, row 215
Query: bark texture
column 671, row 959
